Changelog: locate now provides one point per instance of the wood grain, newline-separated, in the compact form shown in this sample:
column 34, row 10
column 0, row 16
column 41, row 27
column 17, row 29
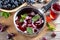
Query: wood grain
column 19, row 36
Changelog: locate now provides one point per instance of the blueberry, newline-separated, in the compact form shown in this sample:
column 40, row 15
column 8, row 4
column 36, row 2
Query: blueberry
column 16, row 3
column 0, row 5
column 13, row 6
column 28, row 1
column 12, row 1
column 19, row 3
column 33, row 1
column 5, row 6
column 9, row 0
column 2, row 0
column 9, row 5
column 22, row 1
column 5, row 2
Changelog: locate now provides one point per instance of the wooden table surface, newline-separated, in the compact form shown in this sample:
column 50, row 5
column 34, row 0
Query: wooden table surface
column 57, row 23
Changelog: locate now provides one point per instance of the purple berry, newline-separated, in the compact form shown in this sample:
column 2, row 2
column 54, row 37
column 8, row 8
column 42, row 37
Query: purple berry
column 4, row 28
column 44, row 38
column 53, row 34
column 1, row 26
column 11, row 35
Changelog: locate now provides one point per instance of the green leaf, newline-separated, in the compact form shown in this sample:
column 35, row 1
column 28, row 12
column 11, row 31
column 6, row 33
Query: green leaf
column 21, row 20
column 29, row 30
column 1, row 13
column 36, row 17
column 24, row 15
column 5, row 14
column 47, row 25
column 50, row 27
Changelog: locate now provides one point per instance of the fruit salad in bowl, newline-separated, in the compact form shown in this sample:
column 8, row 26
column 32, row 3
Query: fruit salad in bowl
column 29, row 21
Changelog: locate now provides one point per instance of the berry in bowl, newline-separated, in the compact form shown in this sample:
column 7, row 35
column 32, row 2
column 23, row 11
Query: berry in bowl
column 11, row 5
column 29, row 21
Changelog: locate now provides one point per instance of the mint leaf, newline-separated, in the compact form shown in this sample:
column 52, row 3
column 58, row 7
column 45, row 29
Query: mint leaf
column 50, row 27
column 24, row 15
column 5, row 14
column 1, row 13
column 29, row 30
column 21, row 20
column 47, row 25
column 36, row 17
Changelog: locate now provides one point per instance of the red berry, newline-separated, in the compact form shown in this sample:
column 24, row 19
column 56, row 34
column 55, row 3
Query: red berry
column 3, row 27
column 35, row 30
column 22, row 28
column 11, row 35
column 53, row 34
column 44, row 38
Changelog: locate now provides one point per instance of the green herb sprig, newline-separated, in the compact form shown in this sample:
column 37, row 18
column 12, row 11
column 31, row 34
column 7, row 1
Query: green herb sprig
column 23, row 17
column 29, row 30
column 4, row 14
column 35, row 18
column 50, row 27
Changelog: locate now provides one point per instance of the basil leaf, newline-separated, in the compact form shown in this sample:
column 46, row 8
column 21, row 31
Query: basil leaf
column 36, row 17
column 29, row 30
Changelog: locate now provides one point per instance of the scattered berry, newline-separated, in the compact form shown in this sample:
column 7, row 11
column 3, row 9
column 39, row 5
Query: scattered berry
column 3, row 28
column 44, row 38
column 53, row 34
column 9, row 36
